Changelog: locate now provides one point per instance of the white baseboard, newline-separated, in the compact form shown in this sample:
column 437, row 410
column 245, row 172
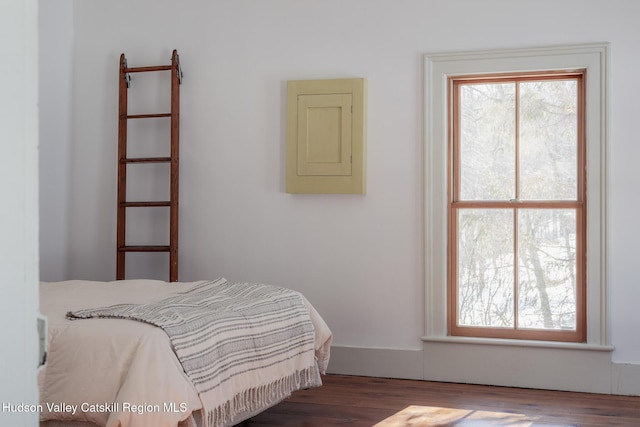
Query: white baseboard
column 548, row 368
column 376, row 362
column 625, row 379
column 540, row 368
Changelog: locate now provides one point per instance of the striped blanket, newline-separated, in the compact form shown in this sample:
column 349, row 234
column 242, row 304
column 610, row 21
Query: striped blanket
column 244, row 346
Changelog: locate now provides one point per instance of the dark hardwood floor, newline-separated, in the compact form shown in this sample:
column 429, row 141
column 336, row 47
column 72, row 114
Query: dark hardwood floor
column 366, row 402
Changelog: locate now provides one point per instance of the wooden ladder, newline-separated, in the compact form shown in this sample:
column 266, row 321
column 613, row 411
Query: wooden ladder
column 172, row 160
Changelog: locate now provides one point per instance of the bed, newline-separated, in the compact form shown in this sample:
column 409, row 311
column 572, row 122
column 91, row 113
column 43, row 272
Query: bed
column 147, row 353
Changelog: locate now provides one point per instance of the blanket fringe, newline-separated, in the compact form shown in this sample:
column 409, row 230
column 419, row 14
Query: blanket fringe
column 263, row 397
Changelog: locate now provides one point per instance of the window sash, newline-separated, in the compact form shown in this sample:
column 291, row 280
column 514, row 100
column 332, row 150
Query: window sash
column 456, row 205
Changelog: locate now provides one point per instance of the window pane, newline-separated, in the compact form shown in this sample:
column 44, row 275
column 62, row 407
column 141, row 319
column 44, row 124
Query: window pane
column 487, row 141
column 548, row 140
column 547, row 268
column 485, row 267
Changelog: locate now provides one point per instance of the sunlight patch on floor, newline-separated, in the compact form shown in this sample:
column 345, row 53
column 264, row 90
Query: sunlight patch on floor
column 427, row 416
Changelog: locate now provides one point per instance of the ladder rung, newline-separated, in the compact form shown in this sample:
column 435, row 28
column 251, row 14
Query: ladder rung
column 147, row 160
column 143, row 248
column 145, row 69
column 147, row 116
column 144, row 204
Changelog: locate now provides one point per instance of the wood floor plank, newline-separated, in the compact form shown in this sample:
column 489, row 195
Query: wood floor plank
column 365, row 402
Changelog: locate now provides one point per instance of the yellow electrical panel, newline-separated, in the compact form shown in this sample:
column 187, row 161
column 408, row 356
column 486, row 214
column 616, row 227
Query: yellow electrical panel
column 326, row 136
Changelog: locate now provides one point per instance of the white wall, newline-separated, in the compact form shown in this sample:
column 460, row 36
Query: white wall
column 19, row 213
column 357, row 258
column 56, row 49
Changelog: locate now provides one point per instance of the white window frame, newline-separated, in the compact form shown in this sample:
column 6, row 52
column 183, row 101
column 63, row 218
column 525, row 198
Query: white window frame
column 437, row 68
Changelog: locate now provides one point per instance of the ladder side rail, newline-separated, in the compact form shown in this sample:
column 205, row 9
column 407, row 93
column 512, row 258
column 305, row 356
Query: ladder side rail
column 122, row 169
column 176, row 78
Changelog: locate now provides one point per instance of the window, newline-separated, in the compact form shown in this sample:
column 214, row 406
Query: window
column 539, row 208
column 516, row 209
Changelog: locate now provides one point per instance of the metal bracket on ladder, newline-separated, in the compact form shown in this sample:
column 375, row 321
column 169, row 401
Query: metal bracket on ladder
column 179, row 70
column 127, row 76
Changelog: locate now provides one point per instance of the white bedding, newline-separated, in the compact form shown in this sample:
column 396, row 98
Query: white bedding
column 115, row 372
